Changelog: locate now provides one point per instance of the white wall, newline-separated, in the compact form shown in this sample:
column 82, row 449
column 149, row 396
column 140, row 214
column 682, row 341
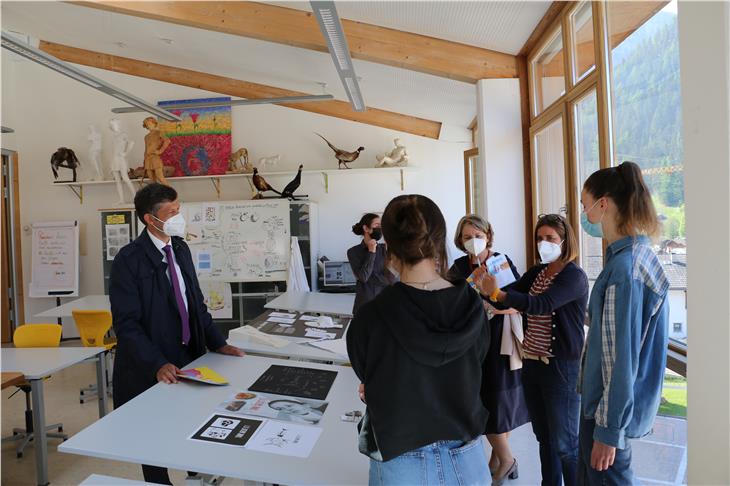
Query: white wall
column 54, row 111
column 500, row 152
column 704, row 49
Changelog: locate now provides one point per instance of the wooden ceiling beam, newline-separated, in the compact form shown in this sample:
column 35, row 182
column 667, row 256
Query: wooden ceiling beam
column 241, row 89
column 299, row 28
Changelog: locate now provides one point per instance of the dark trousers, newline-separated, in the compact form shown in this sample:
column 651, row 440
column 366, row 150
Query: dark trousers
column 620, row 474
column 554, row 406
column 154, row 474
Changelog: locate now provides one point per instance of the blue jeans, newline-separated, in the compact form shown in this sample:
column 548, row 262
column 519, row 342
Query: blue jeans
column 554, row 406
column 620, row 474
column 447, row 462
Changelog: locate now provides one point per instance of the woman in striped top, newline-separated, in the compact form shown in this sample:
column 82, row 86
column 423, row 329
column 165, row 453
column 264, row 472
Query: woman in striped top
column 553, row 295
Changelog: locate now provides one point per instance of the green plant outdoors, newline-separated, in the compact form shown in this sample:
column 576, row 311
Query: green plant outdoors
column 674, row 397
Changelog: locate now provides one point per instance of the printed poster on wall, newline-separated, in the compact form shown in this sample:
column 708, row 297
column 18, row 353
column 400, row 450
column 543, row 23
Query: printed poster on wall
column 218, row 297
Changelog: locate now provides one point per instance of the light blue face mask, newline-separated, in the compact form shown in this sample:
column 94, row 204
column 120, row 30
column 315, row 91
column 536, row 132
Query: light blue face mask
column 592, row 229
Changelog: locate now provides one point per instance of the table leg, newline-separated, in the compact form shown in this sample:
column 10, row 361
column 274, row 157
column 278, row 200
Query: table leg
column 39, row 428
column 101, row 382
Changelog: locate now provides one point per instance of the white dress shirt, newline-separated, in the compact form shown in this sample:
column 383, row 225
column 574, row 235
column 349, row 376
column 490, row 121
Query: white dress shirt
column 160, row 245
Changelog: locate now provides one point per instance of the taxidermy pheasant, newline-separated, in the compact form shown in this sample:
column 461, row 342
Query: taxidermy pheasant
column 261, row 185
column 343, row 157
column 66, row 155
column 290, row 188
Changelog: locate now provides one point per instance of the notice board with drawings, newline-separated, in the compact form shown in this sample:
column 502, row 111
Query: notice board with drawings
column 55, row 259
column 119, row 227
column 239, row 241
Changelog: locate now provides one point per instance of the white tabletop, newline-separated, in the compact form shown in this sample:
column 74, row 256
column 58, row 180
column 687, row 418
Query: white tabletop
column 296, row 349
column 90, row 302
column 99, row 480
column 154, row 429
column 322, row 303
column 36, row 363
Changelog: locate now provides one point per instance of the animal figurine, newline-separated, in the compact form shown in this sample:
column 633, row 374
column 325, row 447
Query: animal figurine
column 234, row 162
column 396, row 157
column 68, row 156
column 270, row 161
column 288, row 192
column 343, row 158
column 261, row 185
column 139, row 172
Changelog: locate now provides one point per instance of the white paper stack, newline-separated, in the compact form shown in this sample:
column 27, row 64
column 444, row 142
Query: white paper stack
column 255, row 336
column 336, row 346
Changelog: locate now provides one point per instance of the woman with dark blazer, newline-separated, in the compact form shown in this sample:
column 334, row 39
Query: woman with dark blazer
column 501, row 386
column 553, row 296
column 367, row 260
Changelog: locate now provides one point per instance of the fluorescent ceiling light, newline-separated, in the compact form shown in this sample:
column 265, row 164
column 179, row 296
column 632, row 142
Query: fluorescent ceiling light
column 51, row 62
column 331, row 27
column 211, row 104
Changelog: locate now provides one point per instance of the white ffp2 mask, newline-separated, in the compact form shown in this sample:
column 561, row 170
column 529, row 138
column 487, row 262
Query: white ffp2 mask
column 549, row 251
column 174, row 226
column 475, row 246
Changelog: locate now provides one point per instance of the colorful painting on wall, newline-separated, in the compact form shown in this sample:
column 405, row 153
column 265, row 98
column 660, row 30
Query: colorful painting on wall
column 201, row 143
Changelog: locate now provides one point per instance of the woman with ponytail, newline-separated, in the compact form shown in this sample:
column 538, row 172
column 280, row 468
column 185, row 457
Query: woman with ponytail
column 623, row 364
column 367, row 260
column 418, row 349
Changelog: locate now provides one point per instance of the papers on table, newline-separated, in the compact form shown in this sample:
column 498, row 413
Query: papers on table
column 336, row 346
column 282, row 320
column 284, row 315
column 319, row 334
column 256, row 336
column 259, row 435
column 298, row 410
column 202, row 374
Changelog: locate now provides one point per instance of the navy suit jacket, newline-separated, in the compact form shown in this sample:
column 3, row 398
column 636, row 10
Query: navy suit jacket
column 146, row 319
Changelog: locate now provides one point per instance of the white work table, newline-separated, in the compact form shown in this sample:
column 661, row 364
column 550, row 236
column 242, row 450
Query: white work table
column 37, row 363
column 100, row 480
column 90, row 302
column 319, row 302
column 154, row 429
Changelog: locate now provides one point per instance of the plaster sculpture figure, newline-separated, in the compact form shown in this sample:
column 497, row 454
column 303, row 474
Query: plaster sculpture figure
column 154, row 145
column 94, row 139
column 396, row 157
column 121, row 146
column 64, row 157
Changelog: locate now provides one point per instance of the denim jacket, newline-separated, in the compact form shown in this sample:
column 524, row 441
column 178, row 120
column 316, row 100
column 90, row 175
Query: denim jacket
column 625, row 356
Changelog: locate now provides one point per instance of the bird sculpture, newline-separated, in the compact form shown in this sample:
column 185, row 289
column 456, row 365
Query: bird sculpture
column 261, row 185
column 290, row 188
column 64, row 157
column 343, row 158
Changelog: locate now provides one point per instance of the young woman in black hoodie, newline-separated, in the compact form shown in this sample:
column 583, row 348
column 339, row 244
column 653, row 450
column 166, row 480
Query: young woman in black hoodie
column 418, row 349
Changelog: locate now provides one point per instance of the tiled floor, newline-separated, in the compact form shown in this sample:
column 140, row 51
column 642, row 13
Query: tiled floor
column 660, row 459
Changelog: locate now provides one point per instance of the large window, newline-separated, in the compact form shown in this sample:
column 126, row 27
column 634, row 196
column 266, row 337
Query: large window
column 585, row 142
column 548, row 73
column 647, row 122
column 549, row 168
column 584, row 57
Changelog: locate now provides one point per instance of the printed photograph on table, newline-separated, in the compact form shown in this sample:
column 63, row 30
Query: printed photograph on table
column 221, row 429
column 285, row 439
column 298, row 410
column 200, row 143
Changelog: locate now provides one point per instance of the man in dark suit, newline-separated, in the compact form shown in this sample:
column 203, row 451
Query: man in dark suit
column 159, row 316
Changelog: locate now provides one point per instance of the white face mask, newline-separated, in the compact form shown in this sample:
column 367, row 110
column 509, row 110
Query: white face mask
column 475, row 246
column 549, row 251
column 174, row 226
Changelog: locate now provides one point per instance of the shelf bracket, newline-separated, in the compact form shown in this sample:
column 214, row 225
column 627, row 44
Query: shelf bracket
column 326, row 182
column 217, row 185
column 402, row 180
column 79, row 191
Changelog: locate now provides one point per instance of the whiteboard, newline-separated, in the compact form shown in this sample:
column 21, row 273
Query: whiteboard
column 239, row 241
column 55, row 259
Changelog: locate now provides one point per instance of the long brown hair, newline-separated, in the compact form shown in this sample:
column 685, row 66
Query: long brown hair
column 414, row 229
column 625, row 185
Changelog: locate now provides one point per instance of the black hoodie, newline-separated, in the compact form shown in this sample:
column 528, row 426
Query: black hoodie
column 419, row 354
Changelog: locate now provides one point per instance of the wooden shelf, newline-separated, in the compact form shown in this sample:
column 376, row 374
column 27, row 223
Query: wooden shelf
column 78, row 187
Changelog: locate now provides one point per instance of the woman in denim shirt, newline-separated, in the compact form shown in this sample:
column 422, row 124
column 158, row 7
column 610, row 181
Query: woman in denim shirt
column 625, row 357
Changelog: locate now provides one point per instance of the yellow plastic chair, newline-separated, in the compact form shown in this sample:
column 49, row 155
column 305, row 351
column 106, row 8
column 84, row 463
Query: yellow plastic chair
column 34, row 336
column 93, row 325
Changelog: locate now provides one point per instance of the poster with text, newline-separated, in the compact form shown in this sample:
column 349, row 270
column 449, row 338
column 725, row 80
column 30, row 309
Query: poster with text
column 222, row 429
